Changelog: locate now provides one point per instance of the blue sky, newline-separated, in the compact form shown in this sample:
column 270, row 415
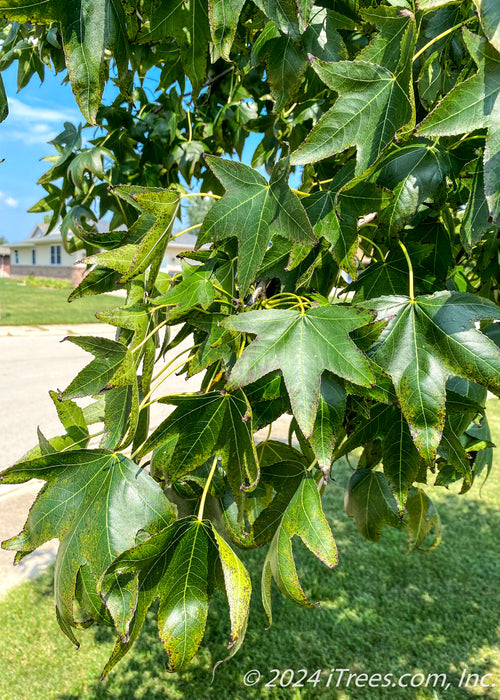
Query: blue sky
column 37, row 114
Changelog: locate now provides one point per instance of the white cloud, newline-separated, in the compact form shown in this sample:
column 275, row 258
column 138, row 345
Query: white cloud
column 34, row 125
column 8, row 200
column 20, row 111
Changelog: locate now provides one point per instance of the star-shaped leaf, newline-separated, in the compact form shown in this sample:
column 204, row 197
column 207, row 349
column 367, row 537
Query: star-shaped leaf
column 303, row 518
column 203, row 425
column 254, row 210
column 474, row 104
column 425, row 342
column 89, row 29
column 94, row 502
column 301, row 345
column 375, row 99
column 176, row 566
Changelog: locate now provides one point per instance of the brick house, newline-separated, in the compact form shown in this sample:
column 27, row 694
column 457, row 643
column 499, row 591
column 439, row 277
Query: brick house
column 44, row 255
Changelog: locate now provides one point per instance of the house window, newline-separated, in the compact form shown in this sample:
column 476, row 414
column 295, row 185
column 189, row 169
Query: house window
column 55, row 254
column 16, row 257
column 33, row 257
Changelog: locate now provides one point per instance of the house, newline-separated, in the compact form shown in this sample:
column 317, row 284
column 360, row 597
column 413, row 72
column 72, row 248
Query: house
column 4, row 261
column 44, row 255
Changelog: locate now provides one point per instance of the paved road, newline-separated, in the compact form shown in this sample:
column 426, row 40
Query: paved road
column 33, row 360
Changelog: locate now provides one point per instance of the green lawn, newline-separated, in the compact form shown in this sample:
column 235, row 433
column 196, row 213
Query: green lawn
column 382, row 612
column 24, row 305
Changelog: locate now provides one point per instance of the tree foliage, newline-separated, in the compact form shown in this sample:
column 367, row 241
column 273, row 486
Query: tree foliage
column 362, row 302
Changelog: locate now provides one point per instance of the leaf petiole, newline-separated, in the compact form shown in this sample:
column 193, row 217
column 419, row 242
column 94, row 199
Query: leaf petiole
column 411, row 292
column 205, row 490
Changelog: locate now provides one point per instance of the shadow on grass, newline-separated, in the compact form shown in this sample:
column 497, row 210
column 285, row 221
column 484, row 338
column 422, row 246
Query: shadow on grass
column 382, row 612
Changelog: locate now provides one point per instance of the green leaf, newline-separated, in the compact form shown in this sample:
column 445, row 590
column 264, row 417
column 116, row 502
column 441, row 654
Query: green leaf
column 301, row 345
column 90, row 160
column 283, row 13
column 98, row 281
column 173, row 566
column 286, row 66
column 471, row 105
column 303, row 518
column 333, row 213
column 368, row 499
column 415, row 173
column 187, row 22
column 113, row 366
column 160, row 208
column 238, row 588
column 401, row 460
column 195, row 289
column 421, row 519
column 476, row 220
column 4, row 107
column 94, row 502
column 321, row 38
column 433, row 4
column 375, row 99
column 121, row 410
column 89, row 29
column 120, row 260
column 72, row 418
column 254, row 210
column 425, row 342
column 223, row 16
column 489, row 14
column 201, row 425
column 328, row 422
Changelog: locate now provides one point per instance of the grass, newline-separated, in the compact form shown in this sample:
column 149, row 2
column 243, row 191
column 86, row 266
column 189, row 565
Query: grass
column 382, row 612
column 47, row 282
column 26, row 305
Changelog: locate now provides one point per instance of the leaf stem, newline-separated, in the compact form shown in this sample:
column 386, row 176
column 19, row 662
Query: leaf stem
column 205, row 490
column 410, row 270
column 201, row 194
column 186, row 230
column 149, row 335
column 304, row 194
column 223, row 291
column 145, row 401
column 372, row 243
column 190, row 128
column 440, row 36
